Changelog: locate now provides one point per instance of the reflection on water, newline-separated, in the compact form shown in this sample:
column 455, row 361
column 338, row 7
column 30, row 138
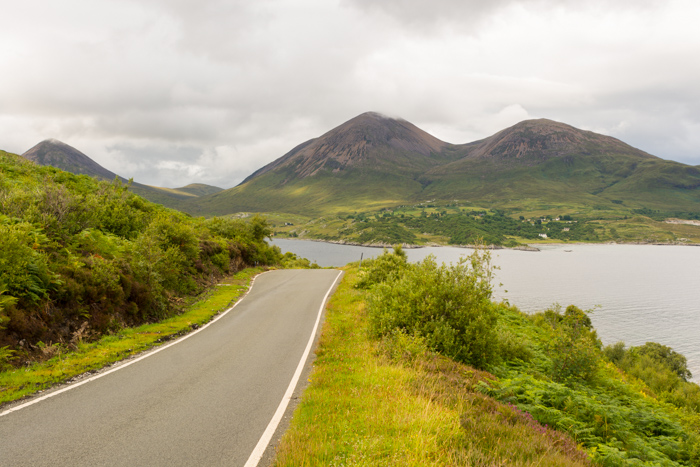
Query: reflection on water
column 642, row 292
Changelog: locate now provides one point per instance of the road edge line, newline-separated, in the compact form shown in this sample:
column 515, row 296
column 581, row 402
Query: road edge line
column 131, row 362
column 269, row 432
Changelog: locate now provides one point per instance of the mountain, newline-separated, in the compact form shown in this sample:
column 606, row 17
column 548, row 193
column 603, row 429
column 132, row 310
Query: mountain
column 369, row 161
column 62, row 156
column 57, row 154
column 368, row 141
column 374, row 161
column 551, row 161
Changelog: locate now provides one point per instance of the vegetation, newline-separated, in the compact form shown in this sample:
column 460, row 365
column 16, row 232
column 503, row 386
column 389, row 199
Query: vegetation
column 65, row 363
column 80, row 258
column 462, row 224
column 534, row 168
column 446, row 306
column 536, row 384
column 391, row 401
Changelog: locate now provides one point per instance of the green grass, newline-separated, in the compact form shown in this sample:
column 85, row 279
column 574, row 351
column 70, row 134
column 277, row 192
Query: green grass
column 21, row 382
column 374, row 403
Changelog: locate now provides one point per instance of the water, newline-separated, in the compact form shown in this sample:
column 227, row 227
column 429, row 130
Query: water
column 641, row 293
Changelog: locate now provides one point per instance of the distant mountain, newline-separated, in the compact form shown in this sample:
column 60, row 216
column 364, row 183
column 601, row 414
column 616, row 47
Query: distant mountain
column 369, row 161
column 374, row 161
column 555, row 162
column 62, row 156
column 368, row 141
column 57, row 154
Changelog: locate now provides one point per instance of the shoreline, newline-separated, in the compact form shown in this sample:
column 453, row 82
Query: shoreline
column 533, row 247
column 408, row 246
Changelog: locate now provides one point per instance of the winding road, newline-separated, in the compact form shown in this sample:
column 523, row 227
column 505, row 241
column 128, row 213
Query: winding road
column 206, row 400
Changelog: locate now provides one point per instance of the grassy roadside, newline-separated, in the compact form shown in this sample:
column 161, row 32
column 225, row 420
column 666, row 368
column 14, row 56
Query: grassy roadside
column 64, row 365
column 393, row 403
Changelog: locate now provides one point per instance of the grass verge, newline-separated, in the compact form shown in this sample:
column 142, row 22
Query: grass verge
column 395, row 403
column 21, row 382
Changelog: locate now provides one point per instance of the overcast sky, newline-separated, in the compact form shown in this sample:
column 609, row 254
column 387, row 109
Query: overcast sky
column 171, row 92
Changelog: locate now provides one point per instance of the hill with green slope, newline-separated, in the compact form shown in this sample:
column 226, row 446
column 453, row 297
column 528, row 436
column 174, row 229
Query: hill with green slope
column 551, row 161
column 199, row 189
column 81, row 257
column 54, row 153
column 373, row 162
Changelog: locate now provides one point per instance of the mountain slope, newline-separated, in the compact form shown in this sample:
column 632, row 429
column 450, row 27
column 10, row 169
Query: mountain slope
column 552, row 161
column 199, row 189
column 373, row 161
column 358, row 143
column 55, row 153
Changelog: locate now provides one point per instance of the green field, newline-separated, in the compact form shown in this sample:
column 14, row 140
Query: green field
column 459, row 224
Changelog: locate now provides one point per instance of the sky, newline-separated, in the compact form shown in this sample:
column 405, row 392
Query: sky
column 172, row 92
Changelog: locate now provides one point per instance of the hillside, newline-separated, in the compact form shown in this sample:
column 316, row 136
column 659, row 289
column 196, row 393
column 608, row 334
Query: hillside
column 199, row 189
column 554, row 162
column 373, row 162
column 54, row 153
column 81, row 257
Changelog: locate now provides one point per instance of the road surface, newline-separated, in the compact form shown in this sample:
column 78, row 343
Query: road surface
column 203, row 401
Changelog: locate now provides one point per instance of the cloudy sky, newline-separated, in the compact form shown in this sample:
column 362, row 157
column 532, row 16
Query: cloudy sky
column 171, row 92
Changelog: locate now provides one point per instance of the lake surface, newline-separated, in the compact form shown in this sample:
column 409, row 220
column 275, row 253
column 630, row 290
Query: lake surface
column 642, row 292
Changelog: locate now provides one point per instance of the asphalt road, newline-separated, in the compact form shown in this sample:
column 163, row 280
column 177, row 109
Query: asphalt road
column 204, row 401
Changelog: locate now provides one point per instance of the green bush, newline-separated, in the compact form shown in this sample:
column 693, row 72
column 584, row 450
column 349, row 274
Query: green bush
column 615, row 352
column 573, row 358
column 449, row 306
column 512, row 346
column 292, row 261
column 666, row 356
column 661, row 368
column 23, row 266
column 387, row 267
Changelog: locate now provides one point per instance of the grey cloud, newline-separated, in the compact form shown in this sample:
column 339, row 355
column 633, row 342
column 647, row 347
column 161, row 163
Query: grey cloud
column 471, row 12
column 177, row 91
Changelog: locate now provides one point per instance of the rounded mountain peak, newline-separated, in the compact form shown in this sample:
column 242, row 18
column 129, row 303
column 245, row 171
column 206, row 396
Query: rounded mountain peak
column 533, row 141
column 368, row 140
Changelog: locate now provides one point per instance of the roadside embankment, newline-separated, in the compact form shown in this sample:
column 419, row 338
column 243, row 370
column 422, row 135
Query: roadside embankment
column 126, row 343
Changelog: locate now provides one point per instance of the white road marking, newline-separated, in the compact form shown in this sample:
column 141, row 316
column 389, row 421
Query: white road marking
column 259, row 450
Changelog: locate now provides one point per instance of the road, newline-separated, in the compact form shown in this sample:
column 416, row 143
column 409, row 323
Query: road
column 203, row 401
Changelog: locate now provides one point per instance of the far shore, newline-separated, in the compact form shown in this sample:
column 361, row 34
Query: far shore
column 528, row 247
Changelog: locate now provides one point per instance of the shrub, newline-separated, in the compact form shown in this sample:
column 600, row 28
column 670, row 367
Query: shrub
column 447, row 305
column 512, row 346
column 290, row 261
column 615, row 352
column 666, row 356
column 23, row 267
column 573, row 358
column 387, row 267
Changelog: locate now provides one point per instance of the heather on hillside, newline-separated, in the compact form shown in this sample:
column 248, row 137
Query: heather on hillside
column 81, row 257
